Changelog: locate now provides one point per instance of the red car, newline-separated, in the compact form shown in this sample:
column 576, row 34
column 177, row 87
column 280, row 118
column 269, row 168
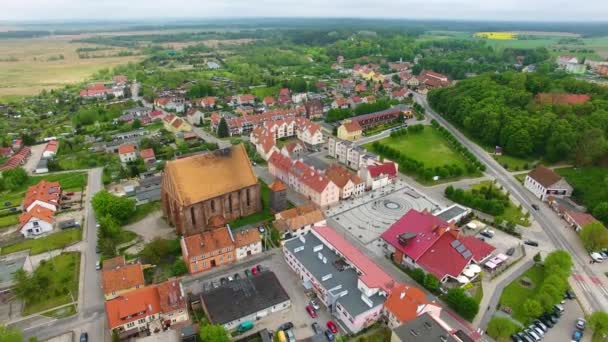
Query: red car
column 332, row 327
column 311, row 311
column 254, row 271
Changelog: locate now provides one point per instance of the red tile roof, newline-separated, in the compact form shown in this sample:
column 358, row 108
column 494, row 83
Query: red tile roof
column 424, row 225
column 268, row 100
column 122, row 278
column 38, row 212
column 126, row 148
column 132, row 306
column 371, row 274
column 207, row 242
column 277, row 185
column 147, row 153
column 544, row 176
column 16, row 159
column 120, row 79
column 352, row 126
column 171, row 296
column 52, row 146
column 44, row 191
column 246, row 98
column 387, row 168
column 404, row 302
column 208, row 101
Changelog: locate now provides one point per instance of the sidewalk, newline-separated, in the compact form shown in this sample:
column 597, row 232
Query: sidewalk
column 493, row 289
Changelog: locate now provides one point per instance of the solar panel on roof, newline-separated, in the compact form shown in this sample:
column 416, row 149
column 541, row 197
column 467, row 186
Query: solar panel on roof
column 467, row 254
column 461, row 248
column 455, row 243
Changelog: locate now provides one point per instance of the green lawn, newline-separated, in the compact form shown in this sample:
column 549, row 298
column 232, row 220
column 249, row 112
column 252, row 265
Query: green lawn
column 70, row 181
column 262, row 92
column 62, row 312
column 515, row 294
column 511, row 213
column 427, row 146
column 590, row 184
column 62, row 274
column 47, row 243
column 514, row 163
column 144, row 210
column 9, row 220
column 263, row 215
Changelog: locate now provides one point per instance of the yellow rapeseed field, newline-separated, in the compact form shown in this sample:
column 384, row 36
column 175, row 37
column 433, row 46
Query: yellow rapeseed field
column 497, row 35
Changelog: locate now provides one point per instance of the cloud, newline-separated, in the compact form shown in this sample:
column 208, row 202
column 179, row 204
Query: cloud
column 545, row 10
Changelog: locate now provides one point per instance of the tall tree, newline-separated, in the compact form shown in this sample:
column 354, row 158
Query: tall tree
column 594, row 236
column 600, row 212
column 120, row 208
column 222, row 128
column 591, row 147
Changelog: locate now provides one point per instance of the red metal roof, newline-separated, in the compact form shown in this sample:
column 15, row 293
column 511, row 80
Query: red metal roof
column 372, row 275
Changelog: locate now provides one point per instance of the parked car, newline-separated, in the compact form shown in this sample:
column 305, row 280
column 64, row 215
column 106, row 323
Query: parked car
column 285, row 326
column 570, row 294
column 516, row 338
column 237, row 276
column 247, row 273
column 315, row 304
column 261, row 229
column 223, row 280
column 317, row 328
column 329, row 335
column 577, row 335
column 12, row 210
column 531, row 243
column 540, row 324
column 540, row 332
column 230, row 278
column 604, row 254
column 558, row 309
column 332, row 327
column 98, row 265
column 510, row 251
column 84, row 337
column 488, row 233
column 215, row 284
column 525, row 336
column 532, row 334
column 70, row 194
column 597, row 257
column 254, row 271
column 535, row 207
column 581, row 323
column 311, row 311
column 259, row 268
column 546, row 319
column 290, row 335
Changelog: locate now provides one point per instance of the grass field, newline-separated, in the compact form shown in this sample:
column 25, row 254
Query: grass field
column 144, row 210
column 515, row 294
column 70, row 181
column 590, row 184
column 427, row 146
column 512, row 213
column 37, row 65
column 62, row 287
column 47, row 243
column 9, row 220
column 514, row 163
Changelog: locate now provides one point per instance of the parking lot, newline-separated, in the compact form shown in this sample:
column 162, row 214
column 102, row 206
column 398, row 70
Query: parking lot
column 565, row 327
column 368, row 216
column 275, row 262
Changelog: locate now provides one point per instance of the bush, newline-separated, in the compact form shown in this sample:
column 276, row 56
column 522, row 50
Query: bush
column 501, row 328
column 459, row 301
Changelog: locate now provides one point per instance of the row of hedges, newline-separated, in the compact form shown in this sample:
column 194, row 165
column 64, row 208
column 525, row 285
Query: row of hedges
column 468, row 155
column 417, row 168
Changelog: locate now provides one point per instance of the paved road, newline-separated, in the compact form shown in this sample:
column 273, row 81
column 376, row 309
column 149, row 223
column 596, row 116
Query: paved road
column 210, row 138
column 593, row 292
column 90, row 315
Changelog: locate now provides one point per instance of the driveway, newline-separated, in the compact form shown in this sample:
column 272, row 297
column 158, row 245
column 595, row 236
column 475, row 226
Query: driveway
column 151, row 227
column 32, row 161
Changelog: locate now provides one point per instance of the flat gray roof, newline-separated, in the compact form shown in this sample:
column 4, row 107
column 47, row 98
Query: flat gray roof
column 423, row 328
column 451, row 212
column 346, row 279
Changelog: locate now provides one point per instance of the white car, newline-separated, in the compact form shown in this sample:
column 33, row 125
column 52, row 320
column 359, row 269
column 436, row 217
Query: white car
column 597, row 257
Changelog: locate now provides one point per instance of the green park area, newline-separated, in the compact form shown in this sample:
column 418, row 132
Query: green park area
column 427, row 146
column 524, row 287
column 53, row 283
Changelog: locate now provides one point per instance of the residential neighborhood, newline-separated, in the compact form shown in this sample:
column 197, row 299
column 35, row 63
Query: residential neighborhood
column 309, row 185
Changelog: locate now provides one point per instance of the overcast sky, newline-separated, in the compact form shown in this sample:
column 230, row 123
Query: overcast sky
column 543, row 10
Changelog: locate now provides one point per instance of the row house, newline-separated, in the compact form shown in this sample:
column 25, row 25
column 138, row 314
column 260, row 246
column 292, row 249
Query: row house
column 310, row 134
column 294, row 149
column 100, row 91
column 245, row 124
column 148, row 310
column 349, row 184
column 264, row 141
column 383, row 117
column 304, row 179
column 219, row 246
